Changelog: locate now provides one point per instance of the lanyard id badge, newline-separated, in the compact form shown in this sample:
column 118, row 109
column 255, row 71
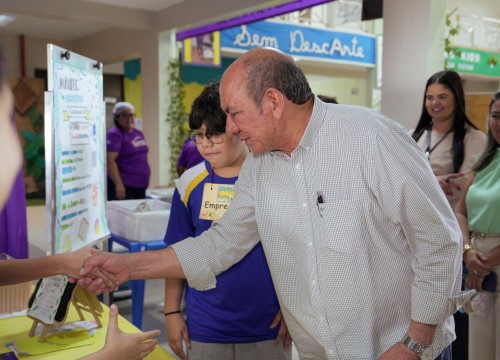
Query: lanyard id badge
column 216, row 200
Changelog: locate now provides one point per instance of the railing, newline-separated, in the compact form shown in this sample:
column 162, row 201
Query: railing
column 344, row 14
column 477, row 32
column 474, row 31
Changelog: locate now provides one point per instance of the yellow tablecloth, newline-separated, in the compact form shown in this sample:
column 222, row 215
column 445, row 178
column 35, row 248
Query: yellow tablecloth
column 16, row 328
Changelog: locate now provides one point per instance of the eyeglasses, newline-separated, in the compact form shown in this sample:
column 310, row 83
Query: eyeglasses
column 197, row 137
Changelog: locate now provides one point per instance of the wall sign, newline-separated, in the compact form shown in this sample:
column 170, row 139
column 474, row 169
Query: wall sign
column 472, row 61
column 303, row 41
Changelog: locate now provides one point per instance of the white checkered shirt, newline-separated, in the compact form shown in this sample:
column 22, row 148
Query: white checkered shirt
column 385, row 249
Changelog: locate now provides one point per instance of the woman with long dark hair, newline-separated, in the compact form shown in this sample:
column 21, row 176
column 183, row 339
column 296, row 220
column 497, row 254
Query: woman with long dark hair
column 478, row 215
column 450, row 140
column 451, row 143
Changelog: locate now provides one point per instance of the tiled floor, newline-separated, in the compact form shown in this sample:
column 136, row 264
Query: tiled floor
column 153, row 310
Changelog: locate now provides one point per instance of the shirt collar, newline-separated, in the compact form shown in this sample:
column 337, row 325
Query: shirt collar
column 312, row 129
column 315, row 123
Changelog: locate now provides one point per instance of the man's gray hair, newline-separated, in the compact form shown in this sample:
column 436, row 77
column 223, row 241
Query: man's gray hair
column 273, row 69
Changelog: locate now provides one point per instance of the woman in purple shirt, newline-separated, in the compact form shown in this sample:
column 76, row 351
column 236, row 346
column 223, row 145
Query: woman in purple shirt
column 127, row 156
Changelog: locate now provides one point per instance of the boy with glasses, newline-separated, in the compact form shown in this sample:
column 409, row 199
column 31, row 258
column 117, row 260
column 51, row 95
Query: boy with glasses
column 239, row 318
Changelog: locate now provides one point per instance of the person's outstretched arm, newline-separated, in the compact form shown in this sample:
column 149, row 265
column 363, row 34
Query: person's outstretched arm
column 15, row 271
column 120, row 345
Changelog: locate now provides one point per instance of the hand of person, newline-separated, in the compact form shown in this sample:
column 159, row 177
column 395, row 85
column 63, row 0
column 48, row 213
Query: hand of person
column 476, row 263
column 74, row 261
column 108, row 264
column 120, row 192
column 120, row 345
column 449, row 182
column 283, row 333
column 177, row 332
column 399, row 352
column 492, row 257
column 474, row 282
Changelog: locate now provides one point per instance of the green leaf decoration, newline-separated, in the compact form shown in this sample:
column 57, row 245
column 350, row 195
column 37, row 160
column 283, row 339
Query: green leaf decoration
column 176, row 116
column 452, row 32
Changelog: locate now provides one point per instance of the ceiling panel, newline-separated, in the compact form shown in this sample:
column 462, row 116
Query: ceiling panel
column 51, row 28
column 72, row 20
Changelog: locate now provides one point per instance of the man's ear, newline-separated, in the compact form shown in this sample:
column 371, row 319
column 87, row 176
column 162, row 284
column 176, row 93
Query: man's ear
column 275, row 101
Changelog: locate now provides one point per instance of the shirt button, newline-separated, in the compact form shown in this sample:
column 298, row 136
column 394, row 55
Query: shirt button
column 330, row 352
column 297, row 166
column 310, row 243
column 304, row 205
column 313, row 283
column 321, row 318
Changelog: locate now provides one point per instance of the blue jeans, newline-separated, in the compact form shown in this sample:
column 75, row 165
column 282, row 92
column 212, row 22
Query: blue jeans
column 445, row 355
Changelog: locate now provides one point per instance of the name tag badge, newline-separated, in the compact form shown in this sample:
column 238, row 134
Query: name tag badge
column 216, row 200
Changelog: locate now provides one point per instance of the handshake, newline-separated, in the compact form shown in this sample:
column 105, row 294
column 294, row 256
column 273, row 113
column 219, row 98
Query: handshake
column 99, row 271
column 94, row 270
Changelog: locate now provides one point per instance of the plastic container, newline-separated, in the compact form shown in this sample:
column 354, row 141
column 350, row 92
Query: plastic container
column 164, row 194
column 138, row 220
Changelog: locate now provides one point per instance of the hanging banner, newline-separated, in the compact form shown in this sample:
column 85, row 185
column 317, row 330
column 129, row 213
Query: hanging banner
column 472, row 61
column 303, row 41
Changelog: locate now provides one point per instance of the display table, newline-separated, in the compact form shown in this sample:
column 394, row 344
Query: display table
column 137, row 286
column 16, row 328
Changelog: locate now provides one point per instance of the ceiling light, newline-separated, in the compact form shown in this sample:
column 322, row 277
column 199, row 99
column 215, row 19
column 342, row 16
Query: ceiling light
column 6, row 19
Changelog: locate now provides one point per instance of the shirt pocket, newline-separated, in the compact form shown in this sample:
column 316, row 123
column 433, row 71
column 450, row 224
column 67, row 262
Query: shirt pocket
column 343, row 225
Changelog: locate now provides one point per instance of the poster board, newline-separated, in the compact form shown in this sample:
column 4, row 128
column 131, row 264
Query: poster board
column 75, row 151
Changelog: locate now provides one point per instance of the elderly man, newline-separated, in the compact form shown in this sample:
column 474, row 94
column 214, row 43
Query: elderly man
column 363, row 248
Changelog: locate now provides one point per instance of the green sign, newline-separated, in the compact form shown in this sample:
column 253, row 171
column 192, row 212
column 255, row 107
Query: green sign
column 472, row 61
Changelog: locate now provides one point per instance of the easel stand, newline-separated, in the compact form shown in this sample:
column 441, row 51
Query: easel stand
column 82, row 300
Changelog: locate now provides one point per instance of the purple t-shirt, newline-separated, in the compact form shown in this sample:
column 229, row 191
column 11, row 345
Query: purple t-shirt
column 133, row 156
column 189, row 156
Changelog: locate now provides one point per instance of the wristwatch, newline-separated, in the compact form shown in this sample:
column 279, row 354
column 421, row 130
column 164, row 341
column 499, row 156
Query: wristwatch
column 425, row 352
column 466, row 248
